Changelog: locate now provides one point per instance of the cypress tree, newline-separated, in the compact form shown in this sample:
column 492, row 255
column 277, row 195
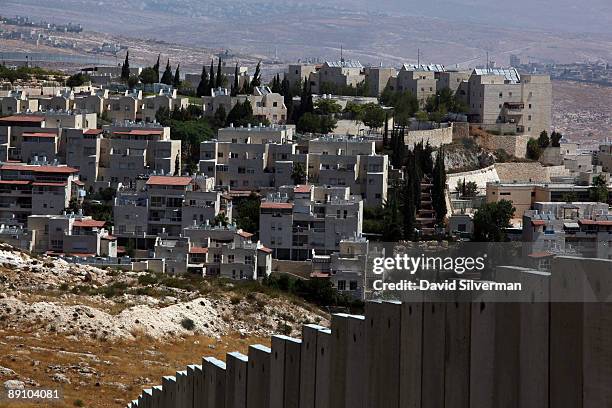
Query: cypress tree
column 177, row 77
column 156, row 66
column 386, row 132
column 203, row 88
column 256, row 81
column 219, row 82
column 125, row 68
column 211, row 80
column 409, row 205
column 236, row 86
column 439, row 186
column 393, row 220
column 167, row 75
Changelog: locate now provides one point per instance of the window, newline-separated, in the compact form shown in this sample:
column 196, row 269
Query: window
column 230, row 258
column 353, row 285
column 341, row 285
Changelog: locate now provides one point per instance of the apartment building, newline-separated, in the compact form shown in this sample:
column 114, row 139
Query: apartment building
column 352, row 162
column 94, row 101
column 568, row 228
column 507, row 102
column 456, row 81
column 125, row 107
column 36, row 189
column 336, row 74
column 604, row 157
column 378, row 79
column 346, row 269
column 419, row 80
column 298, row 73
column 250, row 158
column 166, row 98
column 166, row 205
column 299, row 219
column 119, row 154
column 71, row 235
column 62, row 101
column 229, row 252
column 267, row 105
column 17, row 102
column 524, row 195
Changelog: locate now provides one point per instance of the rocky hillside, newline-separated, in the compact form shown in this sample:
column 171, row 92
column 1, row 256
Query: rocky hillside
column 77, row 327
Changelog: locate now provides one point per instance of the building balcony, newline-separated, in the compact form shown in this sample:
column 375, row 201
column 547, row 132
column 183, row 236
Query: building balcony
column 514, row 106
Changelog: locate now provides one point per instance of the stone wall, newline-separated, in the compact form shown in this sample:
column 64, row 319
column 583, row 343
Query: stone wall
column 435, row 137
column 544, row 351
column 522, row 172
column 514, row 145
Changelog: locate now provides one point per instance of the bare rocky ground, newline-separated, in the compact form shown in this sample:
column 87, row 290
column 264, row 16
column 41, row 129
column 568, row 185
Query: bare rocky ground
column 85, row 329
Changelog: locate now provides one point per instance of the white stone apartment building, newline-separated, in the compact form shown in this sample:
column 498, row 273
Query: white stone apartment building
column 378, row 78
column 71, row 235
column 337, row 74
column 267, row 105
column 298, row 73
column 352, row 162
column 165, row 205
column 36, row 190
column 17, row 102
column 346, row 269
column 230, row 252
column 125, row 107
column 94, row 101
column 604, row 157
column 419, row 80
column 250, row 158
column 164, row 99
column 120, row 154
column 502, row 100
column 299, row 219
column 62, row 101
column 228, row 71
column 562, row 227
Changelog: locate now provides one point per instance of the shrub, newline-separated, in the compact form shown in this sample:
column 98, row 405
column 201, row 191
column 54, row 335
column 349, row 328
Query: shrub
column 188, row 324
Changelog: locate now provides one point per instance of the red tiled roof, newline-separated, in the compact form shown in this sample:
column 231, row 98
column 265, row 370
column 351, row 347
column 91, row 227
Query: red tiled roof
column 92, row 131
column 245, row 234
column 168, row 181
column 304, row 188
column 49, row 184
column 266, row 250
column 78, row 182
column 273, row 205
column 82, row 255
column 109, row 238
column 89, row 223
column 38, row 169
column 22, row 118
column 39, row 134
column 140, row 132
column 15, row 182
column 596, row 222
column 198, row 250
column 537, row 222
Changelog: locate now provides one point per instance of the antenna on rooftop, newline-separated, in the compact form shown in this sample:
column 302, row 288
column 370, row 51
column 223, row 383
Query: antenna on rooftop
column 341, row 54
column 418, row 58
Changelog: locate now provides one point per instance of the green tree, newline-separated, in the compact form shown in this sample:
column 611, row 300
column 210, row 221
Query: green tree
column 236, row 85
column 167, row 77
column 212, row 81
column 491, row 219
column 221, row 220
column 393, row 220
column 76, row 80
column 220, row 117
column 125, row 68
column 132, row 82
column 204, row 85
column 276, row 84
column 599, row 189
column 156, row 66
column 404, row 104
column 327, row 107
column 534, row 151
column 221, row 81
column 256, row 81
column 409, row 204
column 543, row 140
column 373, row 116
column 176, row 81
column 149, row 76
column 466, row 189
column 555, row 139
column 439, row 186
column 247, row 213
column 298, row 174
column 311, row 123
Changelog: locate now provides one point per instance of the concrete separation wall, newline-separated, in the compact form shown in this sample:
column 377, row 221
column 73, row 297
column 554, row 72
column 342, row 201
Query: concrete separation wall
column 533, row 354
